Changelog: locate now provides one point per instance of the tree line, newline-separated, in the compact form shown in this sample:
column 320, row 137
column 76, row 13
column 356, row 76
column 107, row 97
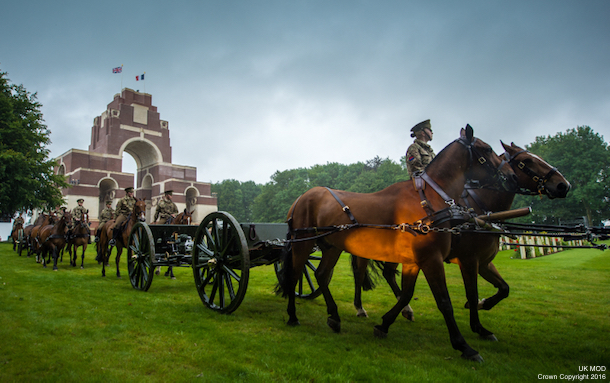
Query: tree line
column 580, row 154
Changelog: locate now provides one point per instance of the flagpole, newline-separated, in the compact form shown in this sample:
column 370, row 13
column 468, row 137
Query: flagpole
column 121, row 79
column 144, row 79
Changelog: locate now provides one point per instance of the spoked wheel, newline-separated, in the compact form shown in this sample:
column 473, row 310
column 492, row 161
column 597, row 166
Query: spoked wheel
column 221, row 262
column 140, row 255
column 307, row 287
column 20, row 239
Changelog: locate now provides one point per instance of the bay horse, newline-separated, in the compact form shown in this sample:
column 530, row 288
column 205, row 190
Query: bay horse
column 28, row 230
column 408, row 223
column 474, row 252
column 15, row 235
column 79, row 237
column 52, row 238
column 47, row 219
column 184, row 218
column 104, row 249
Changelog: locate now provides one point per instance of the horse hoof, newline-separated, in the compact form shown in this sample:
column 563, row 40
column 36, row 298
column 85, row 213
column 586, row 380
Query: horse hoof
column 379, row 333
column 362, row 313
column 481, row 305
column 334, row 324
column 474, row 358
column 173, row 277
column 489, row 337
column 82, row 267
column 157, row 273
column 293, row 323
column 408, row 315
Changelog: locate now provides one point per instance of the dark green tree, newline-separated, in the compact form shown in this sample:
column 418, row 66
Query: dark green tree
column 27, row 177
column 237, row 198
column 583, row 157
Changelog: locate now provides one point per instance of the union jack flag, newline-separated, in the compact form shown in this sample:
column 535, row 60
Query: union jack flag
column 118, row 69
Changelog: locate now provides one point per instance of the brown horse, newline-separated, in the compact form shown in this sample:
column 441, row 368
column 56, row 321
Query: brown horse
column 79, row 237
column 184, row 218
column 52, row 238
column 104, row 249
column 475, row 252
column 17, row 235
column 408, row 223
column 34, row 244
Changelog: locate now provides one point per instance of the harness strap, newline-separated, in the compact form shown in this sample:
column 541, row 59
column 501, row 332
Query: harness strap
column 343, row 206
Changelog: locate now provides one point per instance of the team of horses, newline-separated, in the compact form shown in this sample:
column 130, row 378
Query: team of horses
column 412, row 223
column 420, row 224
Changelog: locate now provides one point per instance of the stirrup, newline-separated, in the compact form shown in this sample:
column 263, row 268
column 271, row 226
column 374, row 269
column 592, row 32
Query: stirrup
column 112, row 242
column 96, row 239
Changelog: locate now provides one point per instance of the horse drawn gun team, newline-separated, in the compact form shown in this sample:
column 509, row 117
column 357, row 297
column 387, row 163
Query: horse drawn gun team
column 445, row 213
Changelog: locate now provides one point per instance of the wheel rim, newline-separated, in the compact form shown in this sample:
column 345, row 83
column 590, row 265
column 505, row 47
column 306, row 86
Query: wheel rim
column 221, row 262
column 140, row 253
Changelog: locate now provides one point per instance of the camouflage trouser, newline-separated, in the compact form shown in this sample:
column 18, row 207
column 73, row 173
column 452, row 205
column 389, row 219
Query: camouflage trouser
column 163, row 220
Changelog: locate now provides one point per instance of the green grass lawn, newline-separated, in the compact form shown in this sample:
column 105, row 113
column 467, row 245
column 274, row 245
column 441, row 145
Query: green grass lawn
column 74, row 325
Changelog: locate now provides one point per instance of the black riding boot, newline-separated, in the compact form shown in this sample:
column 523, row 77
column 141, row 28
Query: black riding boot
column 115, row 236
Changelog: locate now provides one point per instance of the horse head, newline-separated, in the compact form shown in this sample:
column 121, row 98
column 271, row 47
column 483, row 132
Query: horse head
column 484, row 165
column 535, row 175
column 84, row 219
column 185, row 218
column 66, row 219
column 139, row 209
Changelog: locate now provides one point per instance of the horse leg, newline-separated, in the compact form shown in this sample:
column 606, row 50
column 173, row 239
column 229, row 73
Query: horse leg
column 409, row 277
column 389, row 273
column 324, row 273
column 435, row 275
column 293, row 264
column 359, row 268
column 55, row 253
column 158, row 271
column 118, row 261
column 491, row 275
column 82, row 261
column 469, row 275
column 170, row 269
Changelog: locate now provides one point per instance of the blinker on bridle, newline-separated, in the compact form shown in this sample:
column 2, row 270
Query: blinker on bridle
column 498, row 175
column 541, row 181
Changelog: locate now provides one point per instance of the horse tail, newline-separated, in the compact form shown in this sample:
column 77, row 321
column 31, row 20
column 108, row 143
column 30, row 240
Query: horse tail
column 370, row 278
column 285, row 273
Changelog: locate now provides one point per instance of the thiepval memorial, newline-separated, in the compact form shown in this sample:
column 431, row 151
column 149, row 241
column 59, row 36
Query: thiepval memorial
column 131, row 124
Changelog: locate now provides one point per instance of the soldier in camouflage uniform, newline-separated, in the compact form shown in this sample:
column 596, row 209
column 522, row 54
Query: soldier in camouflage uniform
column 166, row 208
column 78, row 211
column 123, row 208
column 420, row 153
column 106, row 215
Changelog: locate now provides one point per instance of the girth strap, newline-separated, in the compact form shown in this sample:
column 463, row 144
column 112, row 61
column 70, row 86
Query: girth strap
column 343, row 206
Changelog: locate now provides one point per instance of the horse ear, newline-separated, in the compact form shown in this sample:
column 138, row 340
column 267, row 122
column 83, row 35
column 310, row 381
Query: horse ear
column 504, row 145
column 467, row 133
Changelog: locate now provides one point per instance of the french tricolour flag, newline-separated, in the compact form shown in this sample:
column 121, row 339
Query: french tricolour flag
column 140, row 77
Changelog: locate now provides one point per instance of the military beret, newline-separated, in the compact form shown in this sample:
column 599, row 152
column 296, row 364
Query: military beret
column 421, row 126
column 129, row 189
column 169, row 192
column 80, row 200
column 108, row 202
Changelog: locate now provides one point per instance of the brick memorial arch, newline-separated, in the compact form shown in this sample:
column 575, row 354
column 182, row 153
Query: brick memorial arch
column 131, row 124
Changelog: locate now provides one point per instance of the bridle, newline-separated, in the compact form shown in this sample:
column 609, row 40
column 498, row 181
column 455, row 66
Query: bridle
column 499, row 179
column 539, row 180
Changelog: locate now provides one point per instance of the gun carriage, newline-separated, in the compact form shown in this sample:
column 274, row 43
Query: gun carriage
column 220, row 251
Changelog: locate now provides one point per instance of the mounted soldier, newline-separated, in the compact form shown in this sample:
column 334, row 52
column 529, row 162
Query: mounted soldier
column 123, row 209
column 106, row 215
column 420, row 153
column 79, row 212
column 166, row 209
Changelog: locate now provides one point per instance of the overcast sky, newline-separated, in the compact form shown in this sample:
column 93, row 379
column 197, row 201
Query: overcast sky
column 253, row 87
